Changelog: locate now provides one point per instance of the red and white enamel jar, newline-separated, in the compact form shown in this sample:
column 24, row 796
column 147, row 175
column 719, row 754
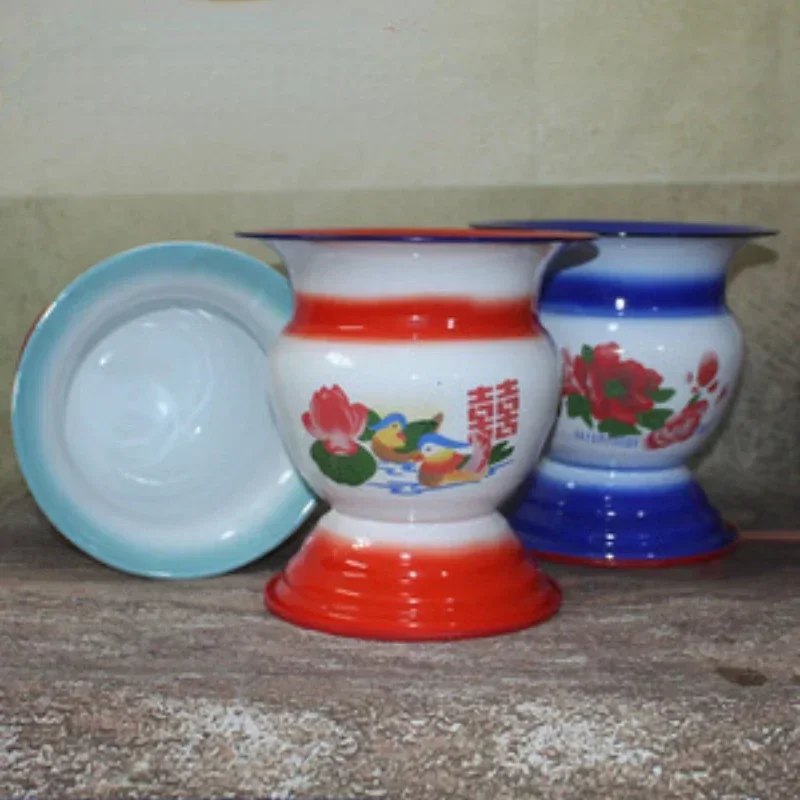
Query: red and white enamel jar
column 414, row 389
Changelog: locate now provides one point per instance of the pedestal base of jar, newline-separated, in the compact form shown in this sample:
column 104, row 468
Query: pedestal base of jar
column 619, row 518
column 412, row 581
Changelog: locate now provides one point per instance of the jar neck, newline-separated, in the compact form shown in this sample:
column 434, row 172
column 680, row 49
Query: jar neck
column 413, row 318
column 642, row 277
column 394, row 270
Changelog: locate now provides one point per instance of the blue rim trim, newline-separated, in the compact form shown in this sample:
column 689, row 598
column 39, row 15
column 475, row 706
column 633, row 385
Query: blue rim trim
column 572, row 292
column 419, row 239
column 265, row 285
column 634, row 228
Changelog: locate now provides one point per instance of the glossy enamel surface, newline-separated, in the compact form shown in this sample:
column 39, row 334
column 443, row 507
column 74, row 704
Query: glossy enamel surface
column 348, row 582
column 415, row 419
column 620, row 518
column 651, row 359
column 140, row 412
column 413, row 319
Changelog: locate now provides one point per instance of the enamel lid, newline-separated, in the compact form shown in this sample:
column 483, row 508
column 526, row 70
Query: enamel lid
column 141, row 417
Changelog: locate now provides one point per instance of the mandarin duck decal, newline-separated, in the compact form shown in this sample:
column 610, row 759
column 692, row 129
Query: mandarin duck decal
column 446, row 461
column 395, row 440
column 352, row 443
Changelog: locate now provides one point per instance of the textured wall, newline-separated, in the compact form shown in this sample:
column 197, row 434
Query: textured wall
column 196, row 96
column 124, row 123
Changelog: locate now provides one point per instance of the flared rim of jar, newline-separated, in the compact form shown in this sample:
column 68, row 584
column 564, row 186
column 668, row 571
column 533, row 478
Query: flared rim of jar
column 421, row 235
column 649, row 229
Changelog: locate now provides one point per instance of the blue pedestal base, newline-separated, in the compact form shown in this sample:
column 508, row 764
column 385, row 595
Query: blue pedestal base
column 618, row 519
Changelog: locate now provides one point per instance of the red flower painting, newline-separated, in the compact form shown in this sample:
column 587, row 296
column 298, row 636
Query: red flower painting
column 335, row 421
column 570, row 384
column 707, row 371
column 678, row 428
column 617, row 388
column 619, row 394
column 623, row 397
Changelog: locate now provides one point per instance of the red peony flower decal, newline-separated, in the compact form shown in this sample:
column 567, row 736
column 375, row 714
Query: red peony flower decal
column 707, row 371
column 618, row 394
column 334, row 421
column 678, row 428
column 570, row 384
column 622, row 397
column 617, row 389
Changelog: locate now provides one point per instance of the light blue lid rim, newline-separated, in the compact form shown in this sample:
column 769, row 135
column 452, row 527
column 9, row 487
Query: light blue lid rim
column 68, row 518
column 636, row 228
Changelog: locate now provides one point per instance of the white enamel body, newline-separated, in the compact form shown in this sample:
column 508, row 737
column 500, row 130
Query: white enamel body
column 662, row 259
column 421, row 380
column 671, row 344
column 416, row 378
column 671, row 347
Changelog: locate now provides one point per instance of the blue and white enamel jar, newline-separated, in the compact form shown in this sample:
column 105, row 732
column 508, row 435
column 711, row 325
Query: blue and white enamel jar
column 651, row 358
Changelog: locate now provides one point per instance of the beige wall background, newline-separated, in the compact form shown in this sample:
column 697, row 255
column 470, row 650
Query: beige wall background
column 127, row 122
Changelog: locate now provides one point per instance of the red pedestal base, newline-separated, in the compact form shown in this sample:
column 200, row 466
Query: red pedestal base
column 345, row 587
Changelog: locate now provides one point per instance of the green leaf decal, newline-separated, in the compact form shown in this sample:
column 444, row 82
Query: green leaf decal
column 351, row 470
column 615, row 429
column 579, row 406
column 695, row 399
column 414, row 430
column 587, row 354
column 500, row 452
column 372, row 419
column 661, row 395
column 655, row 418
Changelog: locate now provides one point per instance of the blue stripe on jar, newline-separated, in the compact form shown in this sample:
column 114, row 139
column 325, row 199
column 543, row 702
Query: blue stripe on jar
column 574, row 293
